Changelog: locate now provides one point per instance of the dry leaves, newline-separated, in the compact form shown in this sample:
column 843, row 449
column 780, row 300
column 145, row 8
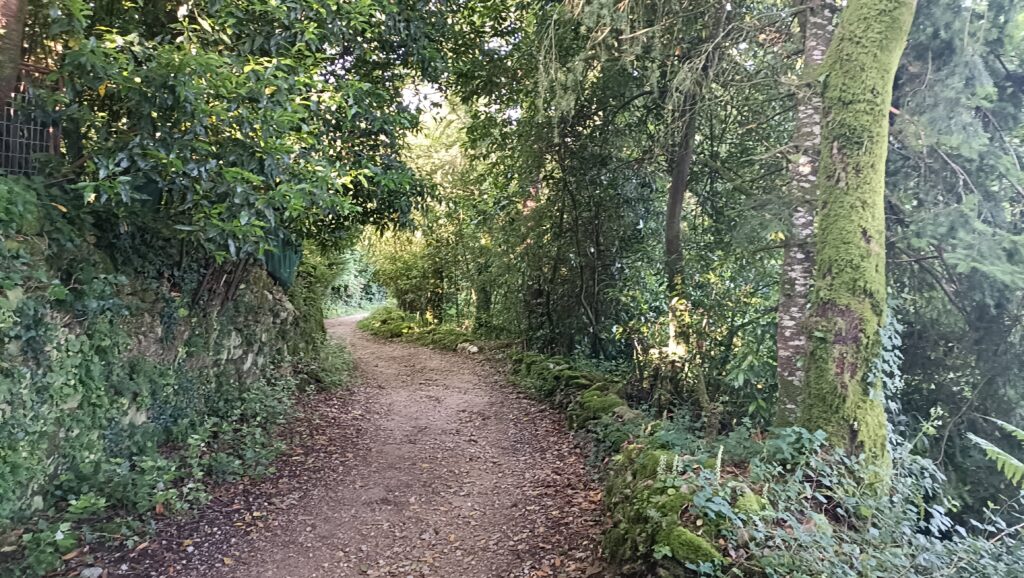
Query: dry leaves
column 432, row 466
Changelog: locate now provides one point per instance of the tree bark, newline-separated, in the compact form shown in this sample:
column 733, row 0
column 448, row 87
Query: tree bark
column 484, row 298
column 12, row 29
column 682, row 162
column 798, row 259
column 848, row 300
column 681, row 166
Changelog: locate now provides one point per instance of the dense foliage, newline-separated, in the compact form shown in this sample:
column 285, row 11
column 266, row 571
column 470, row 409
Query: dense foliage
column 548, row 222
column 954, row 208
column 282, row 123
column 548, row 229
column 166, row 271
column 782, row 503
column 607, row 186
column 128, row 389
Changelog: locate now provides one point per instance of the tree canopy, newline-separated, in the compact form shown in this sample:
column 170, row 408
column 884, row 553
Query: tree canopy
column 785, row 239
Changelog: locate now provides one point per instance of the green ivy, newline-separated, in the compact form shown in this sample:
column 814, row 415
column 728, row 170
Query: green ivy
column 779, row 503
column 125, row 391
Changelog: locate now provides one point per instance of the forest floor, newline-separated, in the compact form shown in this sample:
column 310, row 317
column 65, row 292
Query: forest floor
column 430, row 465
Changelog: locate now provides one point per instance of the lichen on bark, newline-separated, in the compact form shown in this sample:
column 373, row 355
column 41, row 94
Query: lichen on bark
column 798, row 260
column 848, row 299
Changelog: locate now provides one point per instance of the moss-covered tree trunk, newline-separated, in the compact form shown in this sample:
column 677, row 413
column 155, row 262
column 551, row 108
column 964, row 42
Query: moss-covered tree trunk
column 12, row 28
column 848, row 299
column 798, row 261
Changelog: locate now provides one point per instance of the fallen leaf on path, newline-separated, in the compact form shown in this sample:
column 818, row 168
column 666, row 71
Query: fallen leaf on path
column 72, row 554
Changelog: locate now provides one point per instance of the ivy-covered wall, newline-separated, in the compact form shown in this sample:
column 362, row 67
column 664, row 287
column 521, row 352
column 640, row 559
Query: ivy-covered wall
column 133, row 373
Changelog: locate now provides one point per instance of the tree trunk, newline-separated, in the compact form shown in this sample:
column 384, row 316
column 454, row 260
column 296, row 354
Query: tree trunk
column 484, row 298
column 12, row 29
column 677, row 191
column 681, row 166
column 682, row 162
column 798, row 260
column 848, row 300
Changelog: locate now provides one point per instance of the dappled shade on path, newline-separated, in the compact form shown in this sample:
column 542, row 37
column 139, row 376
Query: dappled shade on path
column 431, row 466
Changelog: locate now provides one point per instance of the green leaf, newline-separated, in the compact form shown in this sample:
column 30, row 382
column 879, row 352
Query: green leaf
column 1010, row 466
column 1010, row 429
column 202, row 22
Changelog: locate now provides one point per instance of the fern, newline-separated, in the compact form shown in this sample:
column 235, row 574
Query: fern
column 1010, row 466
column 1010, row 429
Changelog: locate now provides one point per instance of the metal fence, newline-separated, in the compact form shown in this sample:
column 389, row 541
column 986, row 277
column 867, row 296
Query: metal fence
column 24, row 135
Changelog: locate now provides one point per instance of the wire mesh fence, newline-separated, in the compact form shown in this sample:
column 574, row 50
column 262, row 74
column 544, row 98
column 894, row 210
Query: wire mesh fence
column 25, row 134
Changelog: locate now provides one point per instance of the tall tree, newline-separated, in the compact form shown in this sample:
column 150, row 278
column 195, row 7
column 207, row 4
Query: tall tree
column 682, row 159
column 681, row 164
column 849, row 296
column 816, row 21
column 12, row 29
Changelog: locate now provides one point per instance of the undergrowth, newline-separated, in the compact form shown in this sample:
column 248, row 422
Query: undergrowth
column 777, row 503
column 127, row 390
column 391, row 323
column 780, row 503
column 328, row 367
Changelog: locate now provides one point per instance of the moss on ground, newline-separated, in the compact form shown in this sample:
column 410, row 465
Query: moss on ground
column 593, row 405
column 687, row 547
column 652, row 462
column 750, row 503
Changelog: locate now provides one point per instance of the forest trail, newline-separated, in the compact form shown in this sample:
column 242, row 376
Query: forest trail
column 431, row 465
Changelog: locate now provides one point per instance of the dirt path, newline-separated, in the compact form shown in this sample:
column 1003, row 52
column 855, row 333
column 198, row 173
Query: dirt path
column 430, row 466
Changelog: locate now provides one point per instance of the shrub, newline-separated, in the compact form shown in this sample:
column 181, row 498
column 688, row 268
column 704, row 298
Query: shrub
column 328, row 367
column 125, row 391
column 390, row 323
column 781, row 504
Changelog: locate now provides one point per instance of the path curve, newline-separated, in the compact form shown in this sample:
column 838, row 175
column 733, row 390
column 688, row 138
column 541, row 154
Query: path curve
column 431, row 465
